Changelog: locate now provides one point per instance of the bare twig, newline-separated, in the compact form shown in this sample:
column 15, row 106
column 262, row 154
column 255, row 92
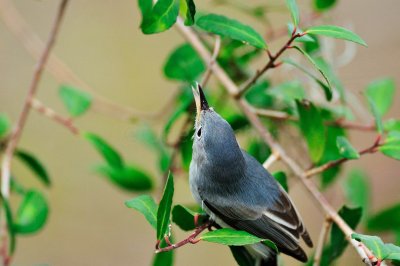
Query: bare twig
column 271, row 159
column 214, row 56
column 50, row 113
column 321, row 241
column 234, row 91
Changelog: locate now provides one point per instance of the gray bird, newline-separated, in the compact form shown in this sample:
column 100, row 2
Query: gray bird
column 236, row 191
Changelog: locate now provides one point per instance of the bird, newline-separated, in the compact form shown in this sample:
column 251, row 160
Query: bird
column 237, row 192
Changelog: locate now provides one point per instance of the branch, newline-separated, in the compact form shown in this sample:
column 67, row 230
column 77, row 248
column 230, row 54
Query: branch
column 233, row 90
column 321, row 241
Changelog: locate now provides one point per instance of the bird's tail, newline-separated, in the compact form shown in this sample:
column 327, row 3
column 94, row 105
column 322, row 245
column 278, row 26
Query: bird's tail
column 254, row 255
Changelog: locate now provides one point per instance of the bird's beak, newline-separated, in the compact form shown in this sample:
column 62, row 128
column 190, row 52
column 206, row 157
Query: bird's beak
column 200, row 99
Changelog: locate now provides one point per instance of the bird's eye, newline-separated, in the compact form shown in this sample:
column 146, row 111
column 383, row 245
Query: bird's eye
column 199, row 132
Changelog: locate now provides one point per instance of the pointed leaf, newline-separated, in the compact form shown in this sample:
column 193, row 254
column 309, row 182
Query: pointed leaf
column 313, row 129
column 231, row 28
column 304, row 38
column 357, row 190
column 146, row 205
column 392, row 125
column 164, row 209
column 32, row 213
column 10, row 224
column 160, row 17
column 184, row 217
column 109, row 154
column 294, row 11
column 376, row 114
column 381, row 250
column 188, row 11
column 35, row 165
column 346, row 149
column 381, row 92
column 391, row 146
column 5, row 125
column 282, row 179
column 76, row 101
column 336, row 32
column 379, row 221
column 323, row 5
column 230, row 237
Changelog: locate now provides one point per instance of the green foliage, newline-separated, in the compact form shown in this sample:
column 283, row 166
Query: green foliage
column 184, row 217
column 392, row 125
column 5, row 125
column 288, row 92
column 35, row 165
column 231, row 28
column 163, row 258
column 313, row 129
column 10, row 224
column 257, row 95
column 184, row 64
column 391, row 146
column 294, row 11
column 305, row 38
column 146, row 205
column 259, row 150
column 187, row 10
column 323, row 5
column 32, row 213
column 164, row 208
column 160, row 17
column 387, row 219
column 231, row 237
column 76, row 101
column 346, row 149
column 381, row 250
column 336, row 32
column 186, row 149
column 357, row 190
column 282, row 179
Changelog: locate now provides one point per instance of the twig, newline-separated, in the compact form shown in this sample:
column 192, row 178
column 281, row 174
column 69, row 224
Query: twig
column 50, row 113
column 321, row 241
column 328, row 165
column 271, row 159
column 214, row 56
column 233, row 90
column 190, row 239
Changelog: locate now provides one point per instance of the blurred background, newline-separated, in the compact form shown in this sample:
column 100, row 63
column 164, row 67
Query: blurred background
column 102, row 43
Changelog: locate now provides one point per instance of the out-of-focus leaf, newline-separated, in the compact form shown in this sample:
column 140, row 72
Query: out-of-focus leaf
column 35, row 165
column 5, row 125
column 186, row 149
column 323, row 5
column 381, row 93
column 76, row 101
column 109, row 154
column 392, row 125
column 312, row 47
column 188, row 11
column 242, row 256
column 357, row 190
column 237, row 121
column 179, row 111
column 391, row 146
column 257, row 95
column 164, row 258
column 259, row 150
column 381, row 250
column 231, row 28
column 230, row 237
column 184, row 217
column 282, row 179
column 184, row 64
column 313, row 129
column 129, row 177
column 288, row 92
column 338, row 242
column 32, row 213
column 336, row 32
column 385, row 220
column 294, row 11
column 346, row 149
column 146, row 205
column 10, row 224
column 159, row 18
column 377, row 116
column 305, row 38
column 164, row 209
column 331, row 74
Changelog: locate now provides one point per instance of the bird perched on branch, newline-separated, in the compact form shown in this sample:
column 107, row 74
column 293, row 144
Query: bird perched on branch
column 236, row 191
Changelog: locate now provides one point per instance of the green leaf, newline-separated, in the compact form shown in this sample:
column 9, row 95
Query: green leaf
column 188, row 11
column 231, row 28
column 288, row 92
column 35, row 165
column 381, row 93
column 146, row 205
column 230, row 237
column 180, row 110
column 76, row 101
column 323, row 5
column 346, row 149
column 164, row 209
column 391, row 146
column 109, row 154
column 282, row 179
column 259, row 150
column 10, row 224
column 184, row 64
column 313, row 129
column 257, row 95
column 186, row 149
column 159, row 18
column 357, row 190
column 380, row 220
column 326, row 87
column 294, row 11
column 129, row 177
column 237, row 121
column 305, row 38
column 184, row 217
column 5, row 125
column 32, row 213
column 377, row 116
column 392, row 125
column 336, row 32
column 381, row 250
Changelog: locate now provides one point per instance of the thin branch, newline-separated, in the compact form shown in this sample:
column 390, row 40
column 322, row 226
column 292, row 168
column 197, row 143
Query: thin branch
column 271, row 159
column 50, row 113
column 233, row 90
column 321, row 241
column 217, row 47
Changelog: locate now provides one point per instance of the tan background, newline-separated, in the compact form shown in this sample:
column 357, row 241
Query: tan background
column 101, row 42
